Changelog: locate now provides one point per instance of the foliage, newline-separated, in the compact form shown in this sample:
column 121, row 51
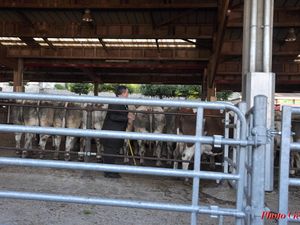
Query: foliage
column 80, row 88
column 132, row 88
column 158, row 90
column 107, row 87
column 60, row 87
column 188, row 91
column 11, row 83
column 224, row 95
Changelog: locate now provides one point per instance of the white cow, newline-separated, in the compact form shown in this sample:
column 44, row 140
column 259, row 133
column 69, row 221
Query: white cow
column 149, row 123
column 73, row 120
column 28, row 116
column 98, row 117
column 129, row 128
column 51, row 114
column 46, row 116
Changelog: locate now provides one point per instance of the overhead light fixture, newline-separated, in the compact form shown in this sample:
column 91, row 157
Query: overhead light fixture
column 291, row 36
column 87, row 17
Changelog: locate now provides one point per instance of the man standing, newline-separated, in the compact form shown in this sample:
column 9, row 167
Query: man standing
column 116, row 119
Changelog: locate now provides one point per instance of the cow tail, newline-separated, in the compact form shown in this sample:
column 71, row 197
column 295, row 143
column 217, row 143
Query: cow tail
column 177, row 132
column 38, row 112
column 151, row 126
column 64, row 115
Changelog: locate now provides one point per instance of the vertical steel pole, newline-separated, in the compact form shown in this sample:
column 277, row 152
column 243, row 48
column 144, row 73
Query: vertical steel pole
column 259, row 132
column 241, row 169
column 197, row 161
column 226, row 147
column 286, row 126
column 253, row 37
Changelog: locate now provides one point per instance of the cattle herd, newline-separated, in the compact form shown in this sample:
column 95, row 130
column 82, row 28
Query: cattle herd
column 142, row 119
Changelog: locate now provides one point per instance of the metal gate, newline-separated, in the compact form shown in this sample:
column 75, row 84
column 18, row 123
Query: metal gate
column 249, row 166
column 287, row 147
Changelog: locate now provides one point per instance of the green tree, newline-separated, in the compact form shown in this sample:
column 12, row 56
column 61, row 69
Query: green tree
column 132, row 88
column 188, row 91
column 224, row 95
column 80, row 88
column 59, row 87
column 158, row 90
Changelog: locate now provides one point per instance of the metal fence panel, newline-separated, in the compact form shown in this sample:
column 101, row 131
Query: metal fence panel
column 242, row 205
column 285, row 150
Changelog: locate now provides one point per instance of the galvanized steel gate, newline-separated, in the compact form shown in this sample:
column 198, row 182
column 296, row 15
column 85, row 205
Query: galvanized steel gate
column 248, row 172
column 287, row 146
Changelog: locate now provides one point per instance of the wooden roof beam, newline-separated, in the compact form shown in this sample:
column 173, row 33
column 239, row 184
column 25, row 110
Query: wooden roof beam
column 103, row 45
column 104, row 4
column 174, row 18
column 75, row 29
column 190, row 54
column 157, row 45
column 92, row 75
column 213, row 62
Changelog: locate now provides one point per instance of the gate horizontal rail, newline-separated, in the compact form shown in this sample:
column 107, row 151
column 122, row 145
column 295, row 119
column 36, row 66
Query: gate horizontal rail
column 119, row 134
column 129, row 101
column 120, row 202
column 116, row 168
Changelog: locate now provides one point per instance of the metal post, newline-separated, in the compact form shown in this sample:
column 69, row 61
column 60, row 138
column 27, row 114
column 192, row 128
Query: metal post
column 253, row 35
column 226, row 147
column 257, row 62
column 197, row 161
column 241, row 170
column 284, row 162
column 259, row 132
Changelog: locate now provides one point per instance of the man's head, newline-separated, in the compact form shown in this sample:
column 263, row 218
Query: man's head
column 122, row 91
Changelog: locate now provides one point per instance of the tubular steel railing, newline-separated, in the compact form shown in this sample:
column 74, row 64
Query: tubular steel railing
column 287, row 146
column 239, row 176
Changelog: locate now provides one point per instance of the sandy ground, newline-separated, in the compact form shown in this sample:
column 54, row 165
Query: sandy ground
column 93, row 184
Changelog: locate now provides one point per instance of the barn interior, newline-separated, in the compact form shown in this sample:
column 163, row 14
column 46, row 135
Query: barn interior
column 140, row 41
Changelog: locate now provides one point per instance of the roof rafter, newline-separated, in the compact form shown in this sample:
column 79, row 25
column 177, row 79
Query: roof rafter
column 174, row 18
column 75, row 29
column 213, row 62
column 190, row 54
column 104, row 4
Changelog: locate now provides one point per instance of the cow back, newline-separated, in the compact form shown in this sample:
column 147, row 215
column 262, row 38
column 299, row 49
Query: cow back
column 214, row 124
column 186, row 123
column 142, row 120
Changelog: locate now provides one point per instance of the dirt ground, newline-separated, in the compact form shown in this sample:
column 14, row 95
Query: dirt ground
column 145, row 188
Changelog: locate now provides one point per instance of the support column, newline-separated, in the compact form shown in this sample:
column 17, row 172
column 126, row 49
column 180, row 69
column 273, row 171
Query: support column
column 18, row 77
column 257, row 78
column 96, row 88
column 211, row 93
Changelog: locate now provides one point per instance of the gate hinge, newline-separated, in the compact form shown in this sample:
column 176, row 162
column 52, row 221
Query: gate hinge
column 260, row 135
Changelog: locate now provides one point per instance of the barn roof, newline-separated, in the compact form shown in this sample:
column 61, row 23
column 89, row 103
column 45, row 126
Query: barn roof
column 139, row 41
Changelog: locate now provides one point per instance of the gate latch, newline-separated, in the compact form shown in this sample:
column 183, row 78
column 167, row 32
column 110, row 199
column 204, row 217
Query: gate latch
column 214, row 208
column 217, row 141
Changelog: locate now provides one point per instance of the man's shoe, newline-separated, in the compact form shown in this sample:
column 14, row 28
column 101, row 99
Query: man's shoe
column 111, row 175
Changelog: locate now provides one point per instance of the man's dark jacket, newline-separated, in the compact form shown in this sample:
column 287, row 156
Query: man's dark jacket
column 115, row 121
